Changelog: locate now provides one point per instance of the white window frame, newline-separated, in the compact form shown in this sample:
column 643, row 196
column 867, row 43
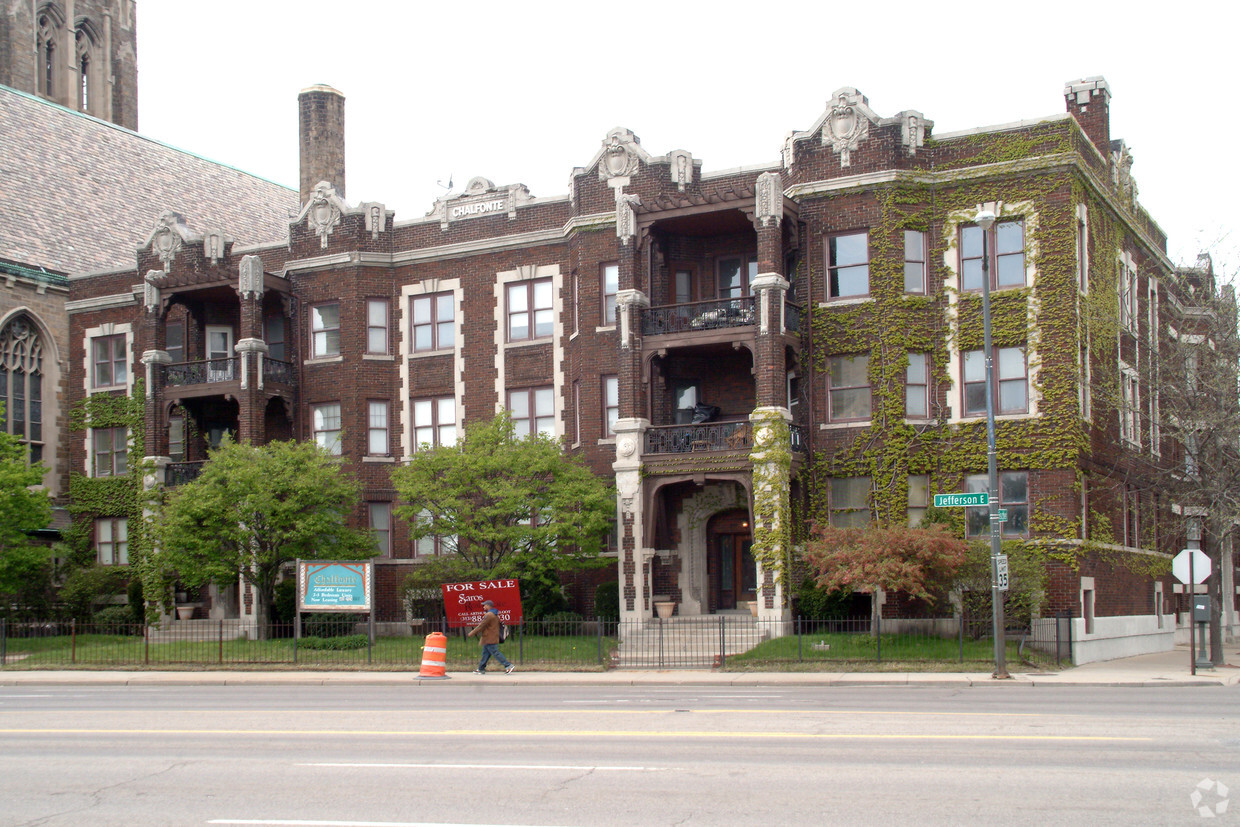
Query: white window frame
column 379, row 515
column 322, row 416
column 850, row 502
column 321, row 332
column 377, row 306
column 439, row 426
column 112, row 541
column 378, row 436
column 541, row 420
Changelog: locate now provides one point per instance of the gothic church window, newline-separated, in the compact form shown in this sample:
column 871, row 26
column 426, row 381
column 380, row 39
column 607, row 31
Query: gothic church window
column 21, row 384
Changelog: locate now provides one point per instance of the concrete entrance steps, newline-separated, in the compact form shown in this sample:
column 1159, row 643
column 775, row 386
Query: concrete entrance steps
column 686, row 642
column 203, row 630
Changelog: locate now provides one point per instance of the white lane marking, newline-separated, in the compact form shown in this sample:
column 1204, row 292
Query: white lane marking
column 292, row 822
column 487, row 767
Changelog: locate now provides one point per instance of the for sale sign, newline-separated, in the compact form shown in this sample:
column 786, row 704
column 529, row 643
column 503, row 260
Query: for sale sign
column 462, row 602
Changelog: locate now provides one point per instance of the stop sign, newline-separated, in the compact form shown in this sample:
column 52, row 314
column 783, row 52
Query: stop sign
column 1200, row 566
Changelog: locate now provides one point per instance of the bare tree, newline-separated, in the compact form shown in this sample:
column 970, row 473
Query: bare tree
column 1197, row 409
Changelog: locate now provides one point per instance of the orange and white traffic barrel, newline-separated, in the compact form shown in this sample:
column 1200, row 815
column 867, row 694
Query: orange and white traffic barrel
column 434, row 656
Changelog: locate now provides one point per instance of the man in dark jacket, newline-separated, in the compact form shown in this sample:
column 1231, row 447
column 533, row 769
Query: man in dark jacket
column 488, row 635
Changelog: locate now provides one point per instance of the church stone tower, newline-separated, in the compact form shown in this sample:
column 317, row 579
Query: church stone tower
column 82, row 54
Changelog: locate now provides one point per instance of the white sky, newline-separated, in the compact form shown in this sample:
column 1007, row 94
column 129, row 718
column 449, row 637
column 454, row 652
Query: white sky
column 524, row 91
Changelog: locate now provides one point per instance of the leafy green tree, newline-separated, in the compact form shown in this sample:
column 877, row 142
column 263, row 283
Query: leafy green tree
column 256, row 508
column 510, row 506
column 24, row 566
column 920, row 562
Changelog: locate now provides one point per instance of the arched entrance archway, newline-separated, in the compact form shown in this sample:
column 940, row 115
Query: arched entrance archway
column 730, row 566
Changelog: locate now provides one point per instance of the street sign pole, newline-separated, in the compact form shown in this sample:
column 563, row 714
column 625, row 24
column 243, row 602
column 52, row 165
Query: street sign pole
column 985, row 220
column 1192, row 594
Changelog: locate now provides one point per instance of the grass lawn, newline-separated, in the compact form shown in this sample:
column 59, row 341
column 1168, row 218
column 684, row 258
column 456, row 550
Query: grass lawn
column 567, row 653
column 863, row 652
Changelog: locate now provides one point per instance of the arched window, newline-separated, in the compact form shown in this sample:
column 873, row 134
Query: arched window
column 21, row 383
column 47, row 55
column 86, row 82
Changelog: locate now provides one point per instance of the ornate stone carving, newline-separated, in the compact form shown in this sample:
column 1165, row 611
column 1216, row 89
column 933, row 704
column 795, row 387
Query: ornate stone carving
column 1121, row 176
column 682, row 168
column 376, row 218
column 169, row 237
column 913, row 130
column 213, row 242
column 847, row 124
column 620, row 155
column 323, row 210
column 626, row 216
column 481, row 198
column 769, row 198
column 150, row 290
column 250, row 281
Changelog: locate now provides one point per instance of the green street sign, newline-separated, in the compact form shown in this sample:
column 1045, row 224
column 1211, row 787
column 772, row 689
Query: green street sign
column 1001, row 515
column 960, row 500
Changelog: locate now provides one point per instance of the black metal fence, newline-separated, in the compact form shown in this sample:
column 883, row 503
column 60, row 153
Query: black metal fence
column 715, row 641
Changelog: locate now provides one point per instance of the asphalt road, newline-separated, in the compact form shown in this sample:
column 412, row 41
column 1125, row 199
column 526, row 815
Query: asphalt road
column 544, row 755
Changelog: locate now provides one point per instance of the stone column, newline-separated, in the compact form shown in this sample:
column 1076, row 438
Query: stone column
column 771, row 457
column 251, row 349
column 634, row 582
column 770, row 289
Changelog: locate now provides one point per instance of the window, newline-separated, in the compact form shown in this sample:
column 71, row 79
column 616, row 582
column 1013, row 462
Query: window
column 46, row 44
column 684, row 283
column 914, row 261
column 1011, row 382
column 1013, row 496
column 576, row 412
column 609, row 287
column 273, row 333
column 112, row 541
column 174, row 341
column 917, row 386
column 611, row 404
column 377, row 428
column 918, row 498
column 110, row 363
column 1082, row 256
column 434, row 322
column 533, row 410
column 848, row 384
column 111, row 446
column 1005, row 248
column 848, row 265
column 327, row 427
column 1127, row 293
column 176, row 438
column 325, row 329
column 381, row 528
column 684, row 400
column 84, row 48
column 376, row 326
column 530, row 310
column 1130, row 412
column 433, row 545
column 21, row 384
column 1132, row 516
column 434, row 422
column 576, row 303
column 850, row 502
column 734, row 275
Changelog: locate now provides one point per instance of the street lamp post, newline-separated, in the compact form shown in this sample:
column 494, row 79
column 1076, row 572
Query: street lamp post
column 986, row 220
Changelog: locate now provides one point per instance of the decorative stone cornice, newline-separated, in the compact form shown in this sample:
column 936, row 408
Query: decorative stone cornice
column 169, row 237
column 250, row 278
column 323, row 210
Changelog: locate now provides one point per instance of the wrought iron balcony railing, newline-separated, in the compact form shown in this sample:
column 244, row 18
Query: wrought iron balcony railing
column 695, row 316
column 276, row 371
column 179, row 473
column 202, row 372
column 712, row 436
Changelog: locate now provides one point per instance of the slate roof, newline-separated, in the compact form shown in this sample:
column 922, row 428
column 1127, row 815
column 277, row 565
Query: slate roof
column 79, row 195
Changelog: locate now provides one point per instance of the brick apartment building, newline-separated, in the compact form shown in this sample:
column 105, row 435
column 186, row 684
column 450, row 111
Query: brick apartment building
column 741, row 351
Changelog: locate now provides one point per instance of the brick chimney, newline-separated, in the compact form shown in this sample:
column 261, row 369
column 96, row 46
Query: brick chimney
column 1089, row 101
column 321, row 135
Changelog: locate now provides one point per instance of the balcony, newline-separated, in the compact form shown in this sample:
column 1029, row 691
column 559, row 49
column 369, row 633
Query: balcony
column 202, row 372
column 712, row 436
column 717, row 314
column 179, row 473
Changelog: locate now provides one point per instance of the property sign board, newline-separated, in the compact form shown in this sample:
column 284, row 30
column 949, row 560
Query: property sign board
column 334, row 585
column 959, row 500
column 462, row 602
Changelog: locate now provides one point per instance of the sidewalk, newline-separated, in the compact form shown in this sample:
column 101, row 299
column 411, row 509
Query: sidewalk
column 1159, row 669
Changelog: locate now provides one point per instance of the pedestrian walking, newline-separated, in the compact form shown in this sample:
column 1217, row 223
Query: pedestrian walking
column 488, row 635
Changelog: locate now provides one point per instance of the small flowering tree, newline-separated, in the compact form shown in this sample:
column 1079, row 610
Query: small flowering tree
column 917, row 561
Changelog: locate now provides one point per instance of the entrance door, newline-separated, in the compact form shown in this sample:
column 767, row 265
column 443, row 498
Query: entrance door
column 730, row 564
column 219, row 353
